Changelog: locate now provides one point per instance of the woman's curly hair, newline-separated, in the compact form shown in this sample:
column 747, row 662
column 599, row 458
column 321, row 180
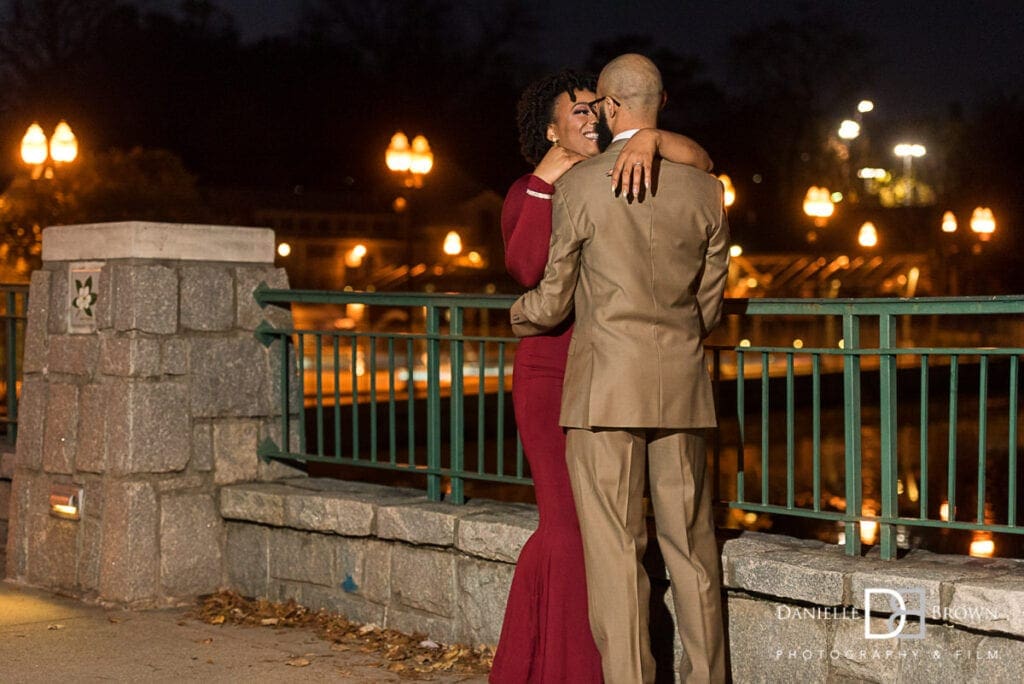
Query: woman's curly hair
column 536, row 109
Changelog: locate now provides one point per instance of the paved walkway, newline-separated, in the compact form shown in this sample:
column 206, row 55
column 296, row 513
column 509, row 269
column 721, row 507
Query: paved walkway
column 48, row 638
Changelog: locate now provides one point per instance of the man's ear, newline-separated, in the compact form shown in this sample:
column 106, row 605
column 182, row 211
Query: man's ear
column 664, row 99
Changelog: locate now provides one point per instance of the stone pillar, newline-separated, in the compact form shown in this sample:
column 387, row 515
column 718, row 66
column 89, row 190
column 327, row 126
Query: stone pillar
column 145, row 387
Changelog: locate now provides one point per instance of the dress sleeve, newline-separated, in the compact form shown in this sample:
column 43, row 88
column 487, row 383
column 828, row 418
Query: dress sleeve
column 547, row 305
column 526, row 229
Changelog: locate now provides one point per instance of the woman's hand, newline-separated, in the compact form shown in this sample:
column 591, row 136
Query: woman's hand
column 634, row 162
column 557, row 161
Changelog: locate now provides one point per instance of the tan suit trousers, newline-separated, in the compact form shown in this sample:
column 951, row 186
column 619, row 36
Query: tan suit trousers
column 607, row 467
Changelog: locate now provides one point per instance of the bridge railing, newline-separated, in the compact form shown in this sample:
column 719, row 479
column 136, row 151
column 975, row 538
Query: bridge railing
column 815, row 396
column 13, row 315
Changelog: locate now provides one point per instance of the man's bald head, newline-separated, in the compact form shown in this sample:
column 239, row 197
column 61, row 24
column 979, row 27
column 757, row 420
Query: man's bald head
column 634, row 81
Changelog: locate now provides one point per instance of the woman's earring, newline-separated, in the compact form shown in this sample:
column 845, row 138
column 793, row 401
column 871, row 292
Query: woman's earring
column 554, row 141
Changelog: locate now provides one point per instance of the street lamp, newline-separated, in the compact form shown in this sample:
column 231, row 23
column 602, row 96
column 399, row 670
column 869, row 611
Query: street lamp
column 865, row 106
column 908, row 151
column 983, row 223
column 849, row 129
column 452, row 244
column 61, row 148
column 948, row 222
column 818, row 204
column 354, row 257
column 868, row 235
column 415, row 160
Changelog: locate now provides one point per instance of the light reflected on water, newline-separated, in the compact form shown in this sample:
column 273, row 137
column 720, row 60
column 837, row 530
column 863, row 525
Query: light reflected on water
column 983, row 546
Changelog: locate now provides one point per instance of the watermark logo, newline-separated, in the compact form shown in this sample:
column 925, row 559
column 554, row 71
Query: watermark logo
column 896, row 606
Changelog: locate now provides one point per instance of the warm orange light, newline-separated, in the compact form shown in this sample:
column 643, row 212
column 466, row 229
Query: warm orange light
column 729, row 192
column 868, row 531
column 948, row 222
column 422, row 159
column 63, row 144
column 284, row 249
column 33, row 145
column 818, row 203
column 415, row 161
column 944, row 511
column 398, row 156
column 354, row 257
column 868, row 235
column 452, row 243
column 983, row 222
column 982, row 546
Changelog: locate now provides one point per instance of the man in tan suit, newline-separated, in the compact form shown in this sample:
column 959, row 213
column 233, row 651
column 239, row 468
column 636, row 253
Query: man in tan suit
column 646, row 276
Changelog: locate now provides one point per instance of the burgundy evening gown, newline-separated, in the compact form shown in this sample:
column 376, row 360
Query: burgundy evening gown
column 546, row 633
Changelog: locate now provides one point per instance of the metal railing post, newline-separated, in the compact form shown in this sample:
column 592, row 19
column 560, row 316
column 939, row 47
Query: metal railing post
column 433, row 402
column 852, row 428
column 887, row 409
column 458, row 407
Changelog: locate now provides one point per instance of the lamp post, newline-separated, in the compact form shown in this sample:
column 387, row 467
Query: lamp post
column 61, row 148
column 411, row 162
column 819, row 207
column 909, row 151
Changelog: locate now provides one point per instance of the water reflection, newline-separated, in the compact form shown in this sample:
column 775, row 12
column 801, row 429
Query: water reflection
column 916, row 497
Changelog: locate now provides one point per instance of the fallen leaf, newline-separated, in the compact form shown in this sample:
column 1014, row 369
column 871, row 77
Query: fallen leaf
column 299, row 662
column 51, row 627
column 407, row 654
column 114, row 620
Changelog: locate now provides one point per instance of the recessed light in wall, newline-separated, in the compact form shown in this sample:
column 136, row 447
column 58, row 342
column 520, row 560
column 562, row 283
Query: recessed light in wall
column 66, row 501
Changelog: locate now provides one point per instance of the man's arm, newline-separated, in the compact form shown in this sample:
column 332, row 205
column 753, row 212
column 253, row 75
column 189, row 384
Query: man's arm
column 716, row 271
column 547, row 305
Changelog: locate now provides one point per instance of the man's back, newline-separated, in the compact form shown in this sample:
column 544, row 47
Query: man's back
column 651, row 277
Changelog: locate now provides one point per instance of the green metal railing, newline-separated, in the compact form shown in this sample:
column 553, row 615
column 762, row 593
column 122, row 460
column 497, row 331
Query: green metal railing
column 13, row 314
column 935, row 369
column 430, row 394
column 376, row 398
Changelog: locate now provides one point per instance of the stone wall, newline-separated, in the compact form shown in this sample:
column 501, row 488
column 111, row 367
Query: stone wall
column 6, row 473
column 145, row 387
column 794, row 608
column 377, row 554
column 795, row 613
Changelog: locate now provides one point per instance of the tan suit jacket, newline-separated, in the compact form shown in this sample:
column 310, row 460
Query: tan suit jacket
column 646, row 278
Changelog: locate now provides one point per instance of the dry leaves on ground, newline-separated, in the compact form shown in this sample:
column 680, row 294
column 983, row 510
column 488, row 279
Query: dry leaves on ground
column 409, row 655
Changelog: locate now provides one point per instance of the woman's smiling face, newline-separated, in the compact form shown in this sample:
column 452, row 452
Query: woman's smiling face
column 573, row 124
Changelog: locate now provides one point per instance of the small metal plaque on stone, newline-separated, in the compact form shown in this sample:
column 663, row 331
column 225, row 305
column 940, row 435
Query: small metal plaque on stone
column 83, row 292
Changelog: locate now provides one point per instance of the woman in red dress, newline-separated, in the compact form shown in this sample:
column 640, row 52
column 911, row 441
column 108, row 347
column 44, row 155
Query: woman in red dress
column 546, row 634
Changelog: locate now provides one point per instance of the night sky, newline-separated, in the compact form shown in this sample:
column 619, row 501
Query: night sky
column 928, row 52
